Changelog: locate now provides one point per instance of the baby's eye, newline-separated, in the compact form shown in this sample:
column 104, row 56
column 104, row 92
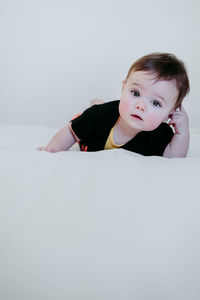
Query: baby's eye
column 156, row 103
column 135, row 93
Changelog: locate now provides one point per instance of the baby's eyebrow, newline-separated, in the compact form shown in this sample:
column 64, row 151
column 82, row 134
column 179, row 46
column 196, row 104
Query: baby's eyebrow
column 160, row 97
column 135, row 83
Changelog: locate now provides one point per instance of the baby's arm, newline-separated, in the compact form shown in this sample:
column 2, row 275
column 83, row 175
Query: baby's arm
column 64, row 138
column 179, row 145
column 61, row 141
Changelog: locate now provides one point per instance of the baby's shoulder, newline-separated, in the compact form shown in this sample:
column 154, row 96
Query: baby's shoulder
column 109, row 106
column 163, row 131
column 107, row 114
column 107, row 110
column 165, row 127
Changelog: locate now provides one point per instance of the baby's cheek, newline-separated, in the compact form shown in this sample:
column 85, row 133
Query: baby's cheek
column 152, row 122
column 124, row 108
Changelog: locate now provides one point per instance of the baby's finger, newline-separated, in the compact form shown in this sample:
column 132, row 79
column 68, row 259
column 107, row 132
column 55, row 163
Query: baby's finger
column 177, row 114
column 172, row 121
column 41, row 148
column 182, row 108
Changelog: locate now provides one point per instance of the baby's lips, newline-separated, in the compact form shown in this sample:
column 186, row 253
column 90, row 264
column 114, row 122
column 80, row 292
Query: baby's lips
column 137, row 116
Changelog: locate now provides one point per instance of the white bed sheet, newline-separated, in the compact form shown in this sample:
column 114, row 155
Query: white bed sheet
column 102, row 225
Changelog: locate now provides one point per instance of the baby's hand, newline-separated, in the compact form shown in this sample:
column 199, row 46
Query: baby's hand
column 44, row 149
column 180, row 122
column 41, row 148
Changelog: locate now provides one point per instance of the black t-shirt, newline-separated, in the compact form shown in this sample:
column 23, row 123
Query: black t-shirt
column 93, row 127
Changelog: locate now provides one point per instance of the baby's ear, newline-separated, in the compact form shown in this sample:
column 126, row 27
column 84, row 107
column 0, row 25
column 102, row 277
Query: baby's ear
column 171, row 112
column 170, row 115
column 123, row 83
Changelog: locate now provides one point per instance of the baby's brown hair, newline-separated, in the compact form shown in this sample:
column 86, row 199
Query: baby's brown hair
column 165, row 66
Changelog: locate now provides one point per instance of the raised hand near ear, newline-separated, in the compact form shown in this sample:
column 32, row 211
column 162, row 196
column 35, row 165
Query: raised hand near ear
column 179, row 120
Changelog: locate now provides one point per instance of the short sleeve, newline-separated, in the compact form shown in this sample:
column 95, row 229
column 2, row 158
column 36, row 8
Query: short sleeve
column 84, row 125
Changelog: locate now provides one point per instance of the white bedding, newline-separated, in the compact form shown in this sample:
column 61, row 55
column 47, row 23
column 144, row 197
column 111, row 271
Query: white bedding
column 96, row 226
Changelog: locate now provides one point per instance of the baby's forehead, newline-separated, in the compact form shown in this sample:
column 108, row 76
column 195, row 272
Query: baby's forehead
column 148, row 78
column 142, row 75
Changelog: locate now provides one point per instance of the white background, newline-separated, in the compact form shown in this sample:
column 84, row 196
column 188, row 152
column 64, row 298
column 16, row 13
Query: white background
column 56, row 55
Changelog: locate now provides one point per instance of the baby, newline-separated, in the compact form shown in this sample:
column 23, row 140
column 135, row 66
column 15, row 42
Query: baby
column 149, row 119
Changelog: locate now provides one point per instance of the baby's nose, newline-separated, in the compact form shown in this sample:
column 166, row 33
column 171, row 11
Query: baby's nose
column 140, row 105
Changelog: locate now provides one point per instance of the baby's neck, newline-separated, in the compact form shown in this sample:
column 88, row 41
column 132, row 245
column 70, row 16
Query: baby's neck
column 123, row 133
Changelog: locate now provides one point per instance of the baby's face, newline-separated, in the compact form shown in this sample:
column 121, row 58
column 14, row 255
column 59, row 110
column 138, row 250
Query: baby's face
column 144, row 104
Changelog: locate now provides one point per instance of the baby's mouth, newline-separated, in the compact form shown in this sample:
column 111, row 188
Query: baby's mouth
column 137, row 117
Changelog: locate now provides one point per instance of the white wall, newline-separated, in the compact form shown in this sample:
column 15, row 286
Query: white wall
column 56, row 55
